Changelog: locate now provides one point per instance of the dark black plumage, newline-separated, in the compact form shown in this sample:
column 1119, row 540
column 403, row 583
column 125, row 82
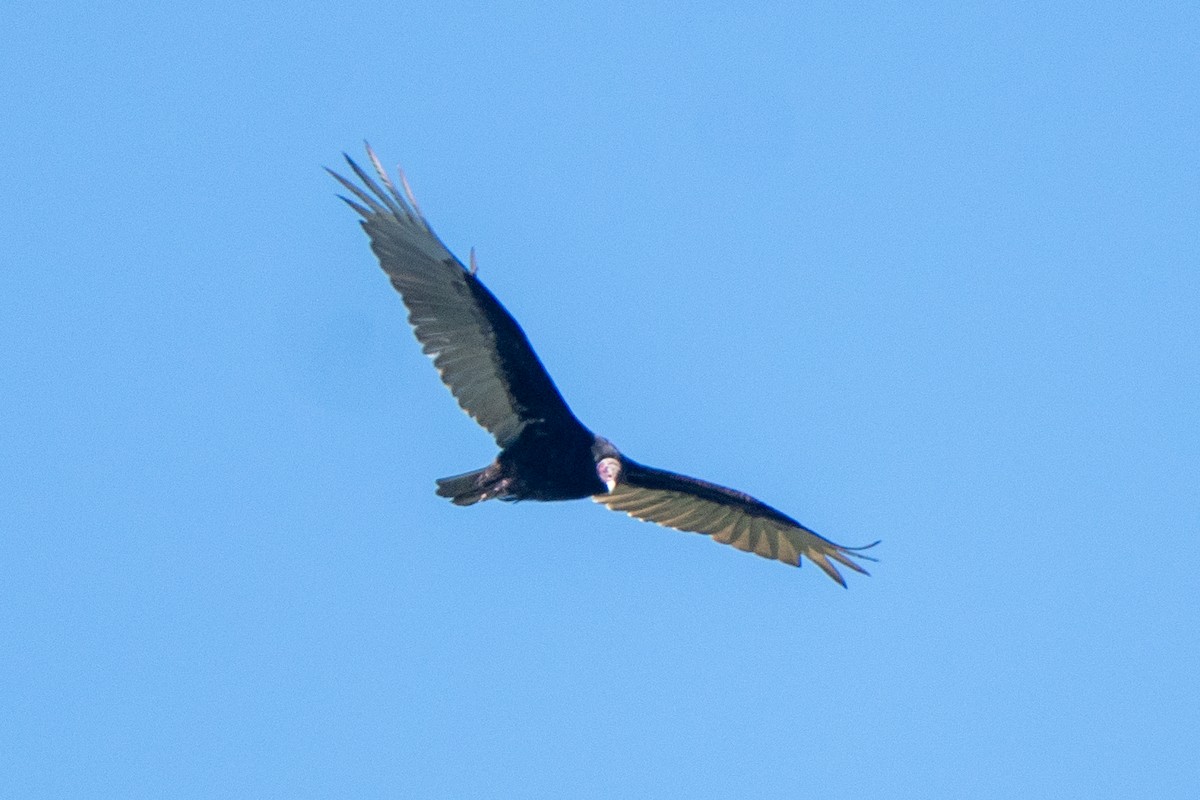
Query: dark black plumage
column 546, row 453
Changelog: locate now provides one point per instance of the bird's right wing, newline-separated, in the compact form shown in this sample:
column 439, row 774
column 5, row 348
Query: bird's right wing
column 478, row 348
column 727, row 515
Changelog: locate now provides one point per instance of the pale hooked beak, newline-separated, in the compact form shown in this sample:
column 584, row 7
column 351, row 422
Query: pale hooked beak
column 609, row 470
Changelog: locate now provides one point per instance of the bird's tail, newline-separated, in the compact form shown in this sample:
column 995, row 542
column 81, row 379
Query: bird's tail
column 471, row 487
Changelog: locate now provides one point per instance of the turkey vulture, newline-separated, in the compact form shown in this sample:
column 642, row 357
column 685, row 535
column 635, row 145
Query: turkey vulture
column 546, row 453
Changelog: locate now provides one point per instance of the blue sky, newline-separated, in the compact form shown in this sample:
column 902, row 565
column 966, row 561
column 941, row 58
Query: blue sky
column 922, row 273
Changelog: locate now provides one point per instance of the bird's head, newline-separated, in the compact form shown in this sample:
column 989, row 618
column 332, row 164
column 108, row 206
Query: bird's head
column 608, row 462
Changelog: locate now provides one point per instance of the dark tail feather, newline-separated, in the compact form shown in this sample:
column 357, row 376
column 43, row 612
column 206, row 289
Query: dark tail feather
column 471, row 487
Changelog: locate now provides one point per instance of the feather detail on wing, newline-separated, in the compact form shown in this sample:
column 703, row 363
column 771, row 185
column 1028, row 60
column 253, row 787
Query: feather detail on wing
column 477, row 347
column 728, row 516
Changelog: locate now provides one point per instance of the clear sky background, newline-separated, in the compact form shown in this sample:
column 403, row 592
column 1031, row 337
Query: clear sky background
column 926, row 274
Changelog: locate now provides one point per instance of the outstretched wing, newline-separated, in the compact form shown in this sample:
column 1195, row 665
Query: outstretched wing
column 727, row 515
column 480, row 351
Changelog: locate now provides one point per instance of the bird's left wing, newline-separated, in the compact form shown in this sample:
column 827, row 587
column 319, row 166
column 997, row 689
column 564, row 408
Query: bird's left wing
column 727, row 515
column 478, row 348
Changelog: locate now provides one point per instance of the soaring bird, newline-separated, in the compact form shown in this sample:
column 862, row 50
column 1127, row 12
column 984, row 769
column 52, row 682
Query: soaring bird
column 546, row 453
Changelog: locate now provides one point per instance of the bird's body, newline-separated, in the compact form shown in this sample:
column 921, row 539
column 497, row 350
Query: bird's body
column 544, row 463
column 546, row 453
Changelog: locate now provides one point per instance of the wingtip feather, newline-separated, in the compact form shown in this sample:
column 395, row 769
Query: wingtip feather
column 380, row 171
column 370, row 183
column 369, row 201
column 844, row 559
column 365, row 213
column 408, row 192
column 822, row 561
